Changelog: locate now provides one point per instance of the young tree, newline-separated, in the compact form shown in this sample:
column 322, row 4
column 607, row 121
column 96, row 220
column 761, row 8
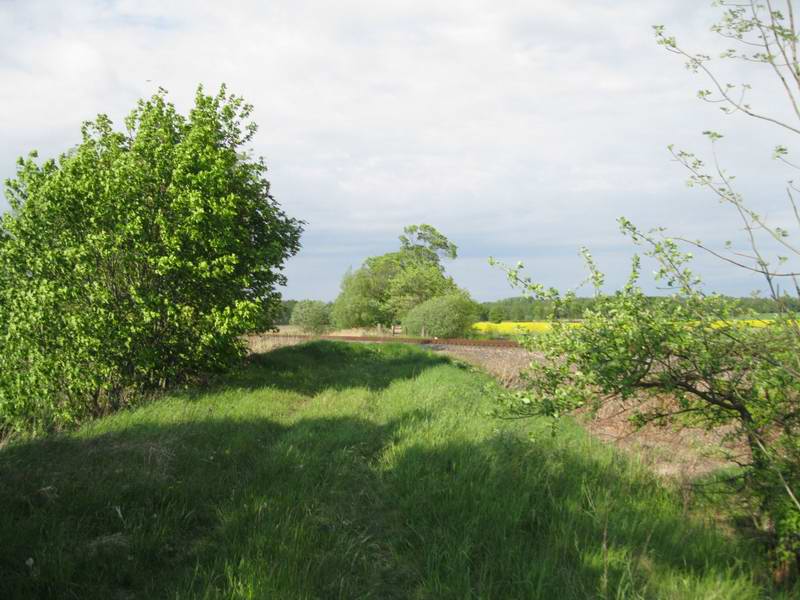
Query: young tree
column 718, row 372
column 136, row 259
column 359, row 302
column 386, row 287
column 285, row 314
column 426, row 242
column 312, row 316
column 496, row 314
column 415, row 283
column 448, row 316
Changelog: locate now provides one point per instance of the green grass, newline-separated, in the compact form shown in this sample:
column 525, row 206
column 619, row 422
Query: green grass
column 348, row 471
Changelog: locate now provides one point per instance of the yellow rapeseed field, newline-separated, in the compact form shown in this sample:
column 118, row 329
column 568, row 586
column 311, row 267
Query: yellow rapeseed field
column 747, row 322
column 511, row 328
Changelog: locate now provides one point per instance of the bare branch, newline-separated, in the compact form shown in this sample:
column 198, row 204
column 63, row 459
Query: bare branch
column 793, row 42
column 794, row 204
column 782, row 50
column 699, row 63
column 701, row 246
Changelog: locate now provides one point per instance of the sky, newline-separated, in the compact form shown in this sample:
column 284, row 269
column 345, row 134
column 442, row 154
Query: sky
column 521, row 129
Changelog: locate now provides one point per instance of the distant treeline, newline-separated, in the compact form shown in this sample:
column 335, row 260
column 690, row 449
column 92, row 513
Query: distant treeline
column 285, row 313
column 528, row 309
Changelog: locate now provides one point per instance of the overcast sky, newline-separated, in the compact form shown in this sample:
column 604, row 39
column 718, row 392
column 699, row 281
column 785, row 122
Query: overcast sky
column 520, row 129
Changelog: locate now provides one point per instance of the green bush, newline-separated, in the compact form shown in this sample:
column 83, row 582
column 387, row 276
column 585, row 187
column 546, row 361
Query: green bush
column 135, row 260
column 386, row 287
column 284, row 314
column 359, row 304
column 496, row 314
column 312, row 316
column 443, row 316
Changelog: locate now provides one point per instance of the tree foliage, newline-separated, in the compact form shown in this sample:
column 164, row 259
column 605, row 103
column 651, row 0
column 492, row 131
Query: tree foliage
column 427, row 243
column 447, row 316
column 416, row 282
column 135, row 260
column 717, row 371
column 359, row 303
column 312, row 316
column 284, row 314
column 526, row 308
column 386, row 287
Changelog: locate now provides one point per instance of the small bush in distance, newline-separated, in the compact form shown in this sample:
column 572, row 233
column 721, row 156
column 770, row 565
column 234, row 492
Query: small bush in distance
column 312, row 316
column 444, row 316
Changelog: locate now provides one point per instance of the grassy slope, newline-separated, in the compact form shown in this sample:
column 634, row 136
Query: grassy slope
column 346, row 471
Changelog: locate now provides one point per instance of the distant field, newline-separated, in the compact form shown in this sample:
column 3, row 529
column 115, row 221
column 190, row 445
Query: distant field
column 356, row 331
column 334, row 470
column 511, row 328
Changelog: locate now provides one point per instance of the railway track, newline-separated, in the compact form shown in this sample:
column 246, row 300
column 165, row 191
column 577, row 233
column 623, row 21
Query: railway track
column 403, row 340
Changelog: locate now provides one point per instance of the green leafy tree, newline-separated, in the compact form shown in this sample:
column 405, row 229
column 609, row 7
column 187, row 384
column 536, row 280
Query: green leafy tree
column 415, row 283
column 312, row 316
column 719, row 372
column 135, row 260
column 448, row 316
column 496, row 314
column 284, row 315
column 359, row 302
column 386, row 287
column 427, row 243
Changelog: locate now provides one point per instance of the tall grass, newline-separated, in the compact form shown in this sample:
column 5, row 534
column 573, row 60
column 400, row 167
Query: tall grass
column 349, row 471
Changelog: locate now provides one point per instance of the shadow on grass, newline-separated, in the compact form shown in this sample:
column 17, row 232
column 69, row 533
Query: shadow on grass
column 231, row 508
column 342, row 506
column 141, row 510
column 316, row 366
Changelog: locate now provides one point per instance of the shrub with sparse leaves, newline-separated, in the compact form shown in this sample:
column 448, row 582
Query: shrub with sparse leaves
column 685, row 362
column 135, row 260
column 688, row 361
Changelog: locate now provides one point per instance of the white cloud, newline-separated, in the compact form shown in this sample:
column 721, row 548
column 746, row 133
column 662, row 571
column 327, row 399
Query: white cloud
column 514, row 127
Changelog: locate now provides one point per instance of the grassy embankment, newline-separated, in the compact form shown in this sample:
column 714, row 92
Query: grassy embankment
column 348, row 471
